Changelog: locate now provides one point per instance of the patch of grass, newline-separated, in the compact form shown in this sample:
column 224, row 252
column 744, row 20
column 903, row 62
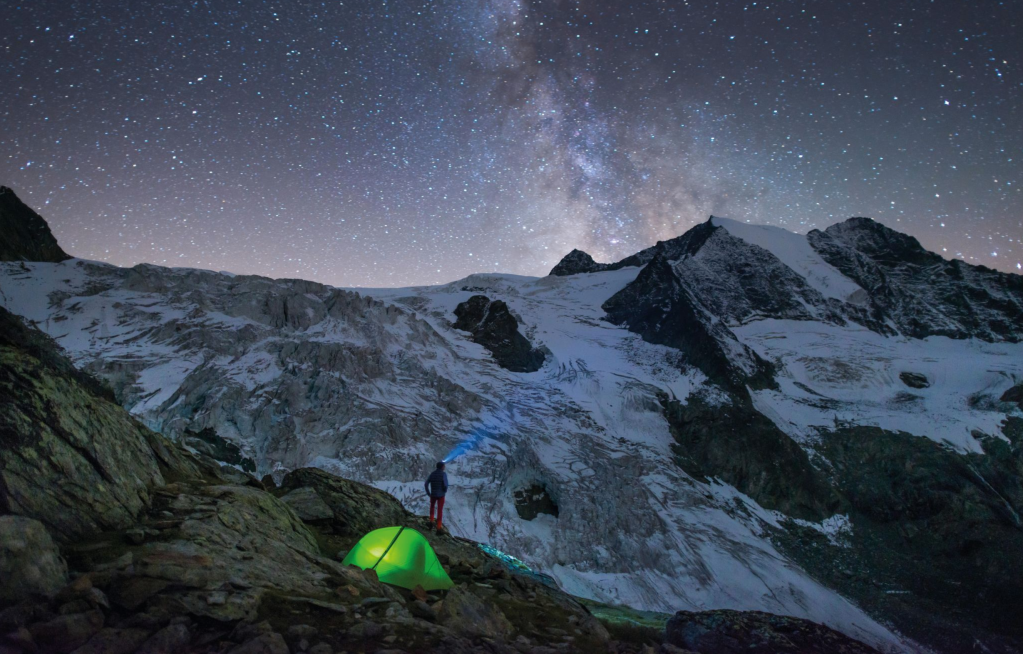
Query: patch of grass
column 629, row 625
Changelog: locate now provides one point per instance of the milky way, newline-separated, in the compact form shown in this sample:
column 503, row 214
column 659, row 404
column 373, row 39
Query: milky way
column 398, row 143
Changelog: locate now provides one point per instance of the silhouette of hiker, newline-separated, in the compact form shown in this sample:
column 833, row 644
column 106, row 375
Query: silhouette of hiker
column 437, row 488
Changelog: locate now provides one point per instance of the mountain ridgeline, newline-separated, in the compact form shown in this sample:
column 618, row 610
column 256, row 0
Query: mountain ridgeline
column 715, row 280
column 826, row 426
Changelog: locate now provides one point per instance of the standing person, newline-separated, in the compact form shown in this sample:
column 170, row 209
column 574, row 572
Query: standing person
column 437, row 488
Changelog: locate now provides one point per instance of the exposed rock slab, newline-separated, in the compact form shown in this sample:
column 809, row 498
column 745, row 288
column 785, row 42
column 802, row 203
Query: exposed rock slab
column 72, row 458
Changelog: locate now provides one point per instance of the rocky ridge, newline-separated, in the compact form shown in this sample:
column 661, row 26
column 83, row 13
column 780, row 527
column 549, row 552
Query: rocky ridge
column 698, row 286
column 26, row 236
column 919, row 292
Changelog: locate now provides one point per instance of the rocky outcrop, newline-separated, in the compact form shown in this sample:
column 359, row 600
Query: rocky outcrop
column 734, row 442
column 577, row 261
column 494, row 327
column 354, row 509
column 532, row 501
column 30, row 563
column 26, row 236
column 71, row 457
column 663, row 310
column 753, row 632
column 1014, row 395
column 920, row 292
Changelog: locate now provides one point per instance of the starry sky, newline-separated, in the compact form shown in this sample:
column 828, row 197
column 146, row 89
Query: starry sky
column 403, row 142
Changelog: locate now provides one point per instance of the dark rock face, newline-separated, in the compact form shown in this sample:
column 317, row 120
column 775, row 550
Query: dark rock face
column 753, row 632
column 698, row 286
column 745, row 449
column 914, row 380
column 920, row 292
column 662, row 308
column 531, row 502
column 935, row 534
column 468, row 614
column 494, row 327
column 1014, row 394
column 24, row 235
column 738, row 282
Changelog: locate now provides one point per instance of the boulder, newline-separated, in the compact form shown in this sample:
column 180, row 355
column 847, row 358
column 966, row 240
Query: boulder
column 169, row 640
column 468, row 614
column 114, row 641
column 356, row 508
column 1014, row 394
column 30, row 564
column 271, row 643
column 914, row 379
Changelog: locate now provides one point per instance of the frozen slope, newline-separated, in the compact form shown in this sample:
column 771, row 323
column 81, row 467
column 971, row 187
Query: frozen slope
column 850, row 375
column 299, row 373
column 795, row 251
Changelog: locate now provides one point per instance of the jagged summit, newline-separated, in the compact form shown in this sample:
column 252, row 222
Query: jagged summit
column 576, row 262
column 26, row 236
column 857, row 271
column 879, row 242
column 919, row 292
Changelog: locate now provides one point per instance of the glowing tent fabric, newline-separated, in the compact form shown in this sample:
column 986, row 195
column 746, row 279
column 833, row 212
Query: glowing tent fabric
column 402, row 557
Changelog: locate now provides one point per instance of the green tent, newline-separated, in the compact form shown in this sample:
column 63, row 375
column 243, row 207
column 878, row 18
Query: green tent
column 401, row 556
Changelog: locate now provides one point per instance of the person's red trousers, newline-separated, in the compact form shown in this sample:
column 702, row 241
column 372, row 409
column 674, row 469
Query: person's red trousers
column 437, row 502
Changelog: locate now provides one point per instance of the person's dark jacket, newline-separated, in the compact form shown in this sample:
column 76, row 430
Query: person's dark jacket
column 437, row 483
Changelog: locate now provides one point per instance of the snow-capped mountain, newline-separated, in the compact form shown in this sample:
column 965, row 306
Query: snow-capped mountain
column 712, row 423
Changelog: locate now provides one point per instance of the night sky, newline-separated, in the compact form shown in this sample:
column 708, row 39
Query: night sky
column 405, row 142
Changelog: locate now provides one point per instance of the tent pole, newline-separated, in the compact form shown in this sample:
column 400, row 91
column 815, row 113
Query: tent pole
column 393, row 541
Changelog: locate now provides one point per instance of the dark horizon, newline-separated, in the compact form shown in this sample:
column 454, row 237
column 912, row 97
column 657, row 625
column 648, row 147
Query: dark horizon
column 370, row 145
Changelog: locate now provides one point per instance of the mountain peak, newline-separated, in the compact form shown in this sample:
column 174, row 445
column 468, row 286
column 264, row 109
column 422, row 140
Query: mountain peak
column 26, row 236
column 576, row 262
column 880, row 242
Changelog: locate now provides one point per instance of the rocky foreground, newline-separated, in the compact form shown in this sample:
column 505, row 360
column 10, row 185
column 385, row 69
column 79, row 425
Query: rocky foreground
column 116, row 539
